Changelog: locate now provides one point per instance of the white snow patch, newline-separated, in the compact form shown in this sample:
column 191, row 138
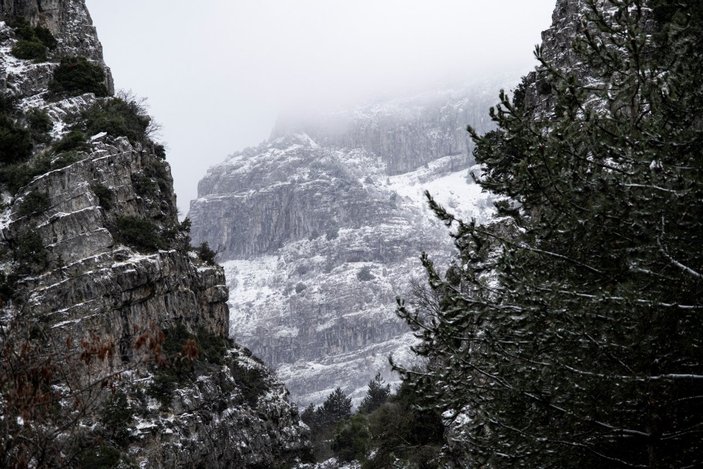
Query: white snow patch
column 454, row 191
column 250, row 282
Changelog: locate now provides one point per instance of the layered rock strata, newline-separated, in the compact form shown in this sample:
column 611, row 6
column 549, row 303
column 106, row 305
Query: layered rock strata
column 84, row 281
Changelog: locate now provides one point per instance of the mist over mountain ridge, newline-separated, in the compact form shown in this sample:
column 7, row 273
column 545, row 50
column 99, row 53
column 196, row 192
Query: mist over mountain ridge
column 320, row 228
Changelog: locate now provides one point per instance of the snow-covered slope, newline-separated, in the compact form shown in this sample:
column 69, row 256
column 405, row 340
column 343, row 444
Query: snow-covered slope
column 319, row 233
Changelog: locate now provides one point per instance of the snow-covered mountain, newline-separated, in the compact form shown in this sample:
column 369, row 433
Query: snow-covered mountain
column 320, row 229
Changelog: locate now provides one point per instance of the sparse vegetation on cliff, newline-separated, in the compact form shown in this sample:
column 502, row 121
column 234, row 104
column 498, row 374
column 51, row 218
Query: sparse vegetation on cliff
column 76, row 360
column 33, row 203
column 40, row 124
column 104, row 195
column 205, row 253
column 33, row 42
column 186, row 355
column 29, row 50
column 73, row 140
column 30, row 253
column 117, row 117
column 15, row 141
column 139, row 233
column 77, row 75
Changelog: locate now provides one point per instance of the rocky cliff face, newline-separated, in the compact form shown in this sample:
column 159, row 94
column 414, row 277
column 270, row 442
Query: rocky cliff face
column 93, row 257
column 68, row 20
column 557, row 48
column 89, row 270
column 320, row 228
column 288, row 189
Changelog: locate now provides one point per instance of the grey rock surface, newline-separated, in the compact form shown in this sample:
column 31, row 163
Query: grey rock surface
column 91, row 284
column 70, row 23
column 68, row 20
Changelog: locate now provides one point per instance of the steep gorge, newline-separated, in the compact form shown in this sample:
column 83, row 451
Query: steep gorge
column 320, row 228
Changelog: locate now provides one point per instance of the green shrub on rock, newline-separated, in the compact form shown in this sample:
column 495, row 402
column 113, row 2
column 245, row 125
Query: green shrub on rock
column 365, row 274
column 100, row 456
column 104, row 195
column 116, row 416
column 144, row 186
column 186, row 355
column 15, row 176
column 139, row 233
column 33, row 203
column 152, row 181
column 65, row 159
column 45, row 37
column 30, row 253
column 7, row 287
column 251, row 381
column 118, row 118
column 15, row 142
column 27, row 32
column 8, row 104
column 29, row 50
column 157, row 171
column 34, row 42
column 160, row 151
column 74, row 140
column 40, row 124
column 75, row 76
column 22, row 28
column 205, row 253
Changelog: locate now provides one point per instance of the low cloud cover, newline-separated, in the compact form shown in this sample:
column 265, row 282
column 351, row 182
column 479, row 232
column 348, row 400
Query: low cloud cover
column 217, row 73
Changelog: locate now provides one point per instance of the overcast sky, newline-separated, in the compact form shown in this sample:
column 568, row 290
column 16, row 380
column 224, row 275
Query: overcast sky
column 216, row 73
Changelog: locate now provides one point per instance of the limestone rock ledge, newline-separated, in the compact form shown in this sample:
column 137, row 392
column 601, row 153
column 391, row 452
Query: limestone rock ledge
column 94, row 283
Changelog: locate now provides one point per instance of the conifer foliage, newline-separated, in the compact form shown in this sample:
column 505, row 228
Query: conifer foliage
column 376, row 395
column 323, row 420
column 573, row 336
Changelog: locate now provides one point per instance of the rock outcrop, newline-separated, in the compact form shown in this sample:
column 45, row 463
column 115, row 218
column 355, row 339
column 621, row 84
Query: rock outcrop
column 93, row 255
column 320, row 228
column 557, row 48
column 90, row 271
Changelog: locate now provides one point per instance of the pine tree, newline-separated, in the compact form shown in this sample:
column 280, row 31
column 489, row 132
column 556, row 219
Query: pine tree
column 574, row 337
column 336, row 407
column 376, row 395
column 324, row 419
column 308, row 415
column 351, row 440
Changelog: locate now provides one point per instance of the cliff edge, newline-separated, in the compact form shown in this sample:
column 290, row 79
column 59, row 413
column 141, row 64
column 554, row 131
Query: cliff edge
column 114, row 330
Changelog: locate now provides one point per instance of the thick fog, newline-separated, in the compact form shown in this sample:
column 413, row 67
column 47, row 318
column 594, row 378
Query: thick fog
column 218, row 72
